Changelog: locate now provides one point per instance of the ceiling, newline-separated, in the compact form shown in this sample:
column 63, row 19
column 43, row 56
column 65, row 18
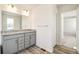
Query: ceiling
column 22, row 6
column 63, row 7
column 26, row 6
column 67, row 7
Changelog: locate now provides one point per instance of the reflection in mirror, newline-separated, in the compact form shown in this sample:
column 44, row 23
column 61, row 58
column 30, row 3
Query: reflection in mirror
column 10, row 21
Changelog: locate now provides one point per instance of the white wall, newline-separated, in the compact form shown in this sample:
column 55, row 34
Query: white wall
column 70, row 26
column 69, row 22
column 59, row 26
column 44, row 21
column 77, row 32
column 26, row 22
column 67, row 7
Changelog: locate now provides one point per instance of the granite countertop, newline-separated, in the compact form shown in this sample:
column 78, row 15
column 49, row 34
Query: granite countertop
column 17, row 31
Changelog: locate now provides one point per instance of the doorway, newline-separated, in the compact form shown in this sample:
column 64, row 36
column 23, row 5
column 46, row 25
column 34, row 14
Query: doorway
column 69, row 29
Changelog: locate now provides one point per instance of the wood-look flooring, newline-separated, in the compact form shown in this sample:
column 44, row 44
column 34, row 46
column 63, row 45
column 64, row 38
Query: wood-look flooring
column 60, row 49
column 33, row 50
column 57, row 50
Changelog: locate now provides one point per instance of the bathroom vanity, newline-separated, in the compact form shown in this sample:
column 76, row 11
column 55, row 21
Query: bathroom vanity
column 14, row 35
column 15, row 41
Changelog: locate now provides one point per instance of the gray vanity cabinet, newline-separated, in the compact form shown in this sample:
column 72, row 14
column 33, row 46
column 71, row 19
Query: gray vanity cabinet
column 30, row 39
column 17, row 42
column 10, row 46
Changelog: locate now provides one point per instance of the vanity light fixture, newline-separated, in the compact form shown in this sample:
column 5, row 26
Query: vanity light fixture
column 26, row 12
column 11, row 8
column 11, row 5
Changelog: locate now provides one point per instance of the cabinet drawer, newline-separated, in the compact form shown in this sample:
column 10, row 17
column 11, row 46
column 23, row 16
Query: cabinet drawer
column 12, row 36
column 33, row 36
column 27, row 34
column 33, row 33
column 33, row 40
column 22, row 44
column 27, row 44
column 21, row 47
column 21, row 40
column 27, row 38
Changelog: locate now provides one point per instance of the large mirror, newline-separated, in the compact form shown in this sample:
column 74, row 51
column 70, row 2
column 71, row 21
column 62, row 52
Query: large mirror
column 10, row 21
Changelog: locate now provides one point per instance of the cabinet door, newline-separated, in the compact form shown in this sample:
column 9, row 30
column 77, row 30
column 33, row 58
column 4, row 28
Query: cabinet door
column 27, row 41
column 10, row 46
column 33, row 39
column 27, row 44
column 20, row 46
